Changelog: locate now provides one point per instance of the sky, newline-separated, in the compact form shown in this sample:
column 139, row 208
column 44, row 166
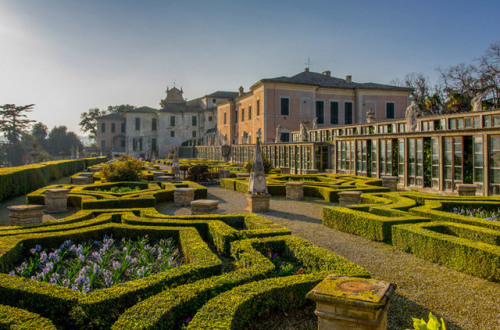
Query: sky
column 67, row 56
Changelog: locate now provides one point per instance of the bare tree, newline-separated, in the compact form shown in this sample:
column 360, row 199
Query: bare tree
column 489, row 74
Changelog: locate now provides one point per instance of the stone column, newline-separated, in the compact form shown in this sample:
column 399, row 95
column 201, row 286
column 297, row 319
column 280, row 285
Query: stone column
column 390, row 182
column 56, row 200
column 224, row 173
column 295, row 190
column 21, row 215
column 183, row 196
column 467, row 189
column 351, row 303
column 349, row 197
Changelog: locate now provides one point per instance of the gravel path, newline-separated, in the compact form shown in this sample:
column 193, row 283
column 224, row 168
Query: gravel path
column 464, row 301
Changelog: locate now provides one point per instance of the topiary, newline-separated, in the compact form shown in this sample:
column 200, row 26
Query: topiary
column 126, row 169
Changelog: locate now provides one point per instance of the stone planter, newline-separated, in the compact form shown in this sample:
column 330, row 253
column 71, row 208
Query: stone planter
column 204, row 206
column 352, row 303
column 295, row 190
column 285, row 170
column 390, row 182
column 224, row 173
column 310, row 171
column 82, row 180
column 183, row 196
column 258, row 203
column 96, row 169
column 349, row 197
column 150, row 168
column 21, row 215
column 158, row 174
column 56, row 200
column 242, row 175
column 467, row 189
column 165, row 178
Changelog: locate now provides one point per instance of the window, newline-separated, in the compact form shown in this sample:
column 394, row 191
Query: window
column 194, row 120
column 123, row 127
column 225, row 118
column 214, row 100
column 249, row 112
column 153, row 124
column 389, row 110
column 134, row 145
column 194, row 133
column 172, row 120
column 242, row 114
column 334, row 113
column 320, row 112
column 140, row 144
column 209, row 118
column 235, row 116
column 285, row 137
column 258, row 107
column 348, row 112
column 153, row 145
column 285, row 107
column 172, row 134
column 137, row 124
column 103, row 144
column 122, row 143
column 113, row 127
column 103, row 127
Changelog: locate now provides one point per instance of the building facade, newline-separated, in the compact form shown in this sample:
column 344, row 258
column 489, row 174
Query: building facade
column 307, row 96
column 144, row 131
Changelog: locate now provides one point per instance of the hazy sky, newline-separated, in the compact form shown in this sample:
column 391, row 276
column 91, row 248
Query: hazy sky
column 67, row 56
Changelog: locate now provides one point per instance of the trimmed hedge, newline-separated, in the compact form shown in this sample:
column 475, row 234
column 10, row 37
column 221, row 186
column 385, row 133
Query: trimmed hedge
column 469, row 254
column 15, row 318
column 15, row 181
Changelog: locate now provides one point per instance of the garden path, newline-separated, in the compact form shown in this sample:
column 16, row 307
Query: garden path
column 464, row 301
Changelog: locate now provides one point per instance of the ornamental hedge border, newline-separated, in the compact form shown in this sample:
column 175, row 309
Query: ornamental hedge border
column 15, row 318
column 15, row 181
column 472, row 253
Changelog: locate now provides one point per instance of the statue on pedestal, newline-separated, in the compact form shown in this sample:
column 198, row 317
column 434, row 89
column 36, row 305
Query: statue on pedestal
column 412, row 113
column 257, row 183
column 277, row 138
column 315, row 123
column 244, row 138
column 303, row 132
column 477, row 102
column 370, row 115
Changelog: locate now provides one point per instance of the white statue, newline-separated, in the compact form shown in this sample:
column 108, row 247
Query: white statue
column 244, row 138
column 315, row 123
column 277, row 138
column 412, row 113
column 303, row 132
column 477, row 102
column 370, row 115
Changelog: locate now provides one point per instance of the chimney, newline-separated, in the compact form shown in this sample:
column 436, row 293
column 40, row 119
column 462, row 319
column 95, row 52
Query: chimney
column 348, row 79
column 327, row 73
column 240, row 91
column 306, row 70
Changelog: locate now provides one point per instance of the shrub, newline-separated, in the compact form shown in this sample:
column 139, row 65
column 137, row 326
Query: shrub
column 123, row 170
column 267, row 165
column 432, row 324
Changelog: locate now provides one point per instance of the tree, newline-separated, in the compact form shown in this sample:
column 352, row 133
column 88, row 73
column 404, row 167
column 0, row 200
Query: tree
column 120, row 108
column 461, row 84
column 39, row 131
column 428, row 103
column 60, row 140
column 489, row 74
column 13, row 124
column 88, row 121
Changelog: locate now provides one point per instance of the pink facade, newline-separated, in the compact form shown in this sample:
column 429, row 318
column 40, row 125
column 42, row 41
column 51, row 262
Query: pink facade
column 287, row 101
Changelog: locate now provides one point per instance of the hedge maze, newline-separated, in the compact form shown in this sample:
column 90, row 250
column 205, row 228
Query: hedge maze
column 424, row 225
column 229, row 274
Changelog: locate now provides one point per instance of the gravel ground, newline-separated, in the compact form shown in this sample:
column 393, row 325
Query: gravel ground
column 463, row 301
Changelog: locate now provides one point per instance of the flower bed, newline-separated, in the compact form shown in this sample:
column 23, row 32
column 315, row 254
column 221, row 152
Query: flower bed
column 98, row 264
column 493, row 215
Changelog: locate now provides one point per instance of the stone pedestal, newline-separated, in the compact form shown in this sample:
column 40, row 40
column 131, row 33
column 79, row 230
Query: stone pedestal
column 330, row 171
column 165, row 178
column 467, row 189
column 351, row 303
column 295, row 190
column 204, row 206
column 158, row 174
column 310, row 171
column 56, row 200
column 285, row 170
column 349, row 197
column 82, row 180
column 21, row 215
column 390, row 182
column 96, row 169
column 183, row 196
column 224, row 173
column 150, row 168
column 258, row 203
column 242, row 175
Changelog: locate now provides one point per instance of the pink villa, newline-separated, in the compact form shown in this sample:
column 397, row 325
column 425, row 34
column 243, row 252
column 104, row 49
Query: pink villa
column 287, row 101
